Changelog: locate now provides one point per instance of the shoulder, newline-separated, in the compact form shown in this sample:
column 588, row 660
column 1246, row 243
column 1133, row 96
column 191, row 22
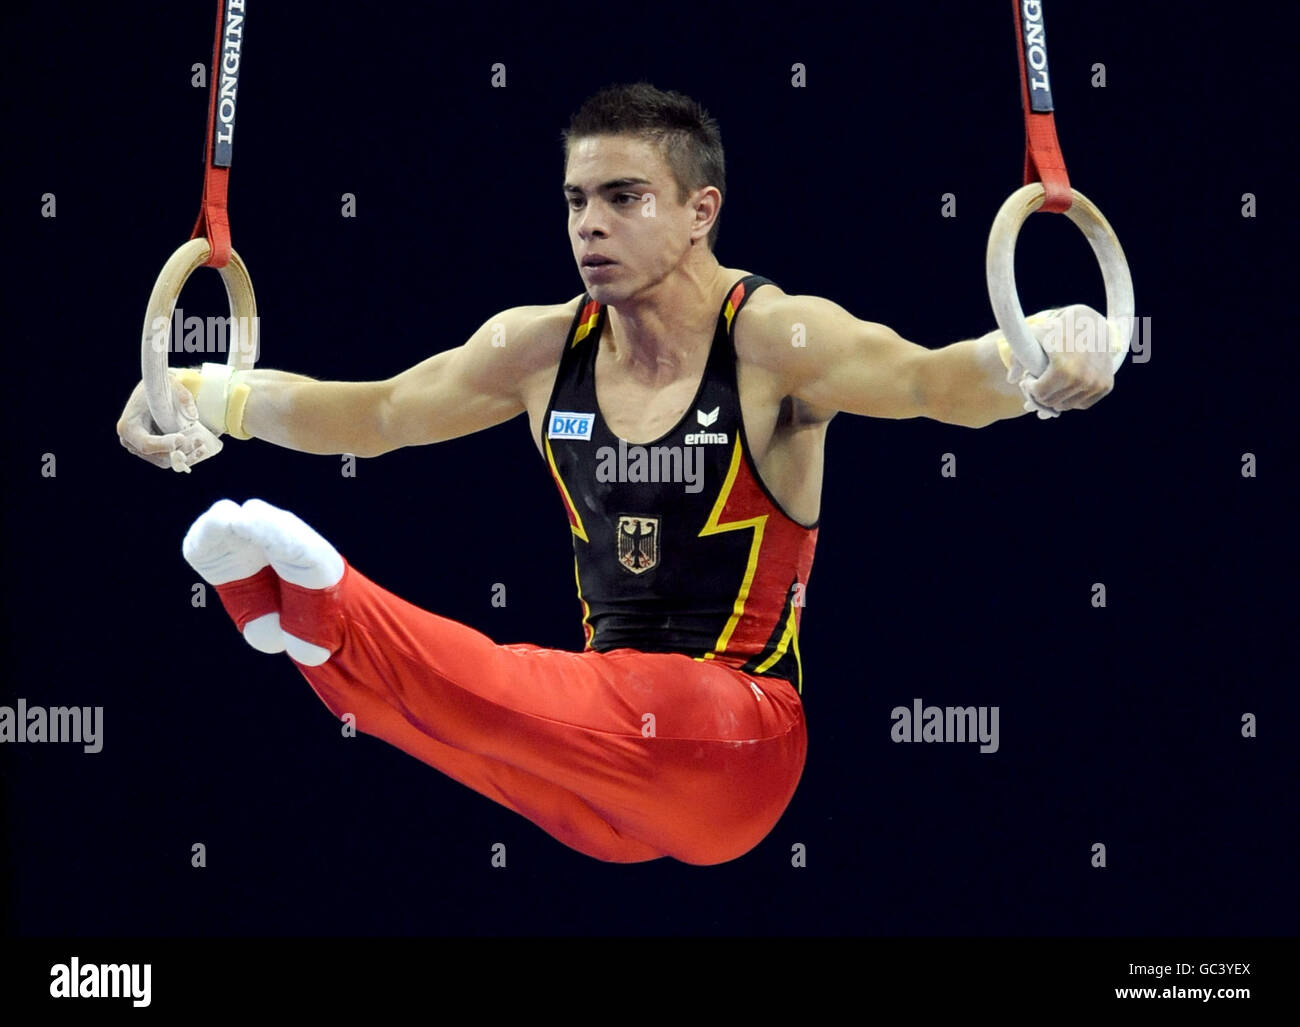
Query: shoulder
column 761, row 308
column 780, row 331
column 784, row 340
column 542, row 324
column 527, row 338
column 769, row 327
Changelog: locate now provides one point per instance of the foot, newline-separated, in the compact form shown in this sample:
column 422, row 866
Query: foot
column 220, row 556
column 214, row 550
column 230, row 543
column 299, row 555
column 294, row 548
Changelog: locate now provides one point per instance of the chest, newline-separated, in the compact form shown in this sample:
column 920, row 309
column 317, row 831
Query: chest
column 642, row 412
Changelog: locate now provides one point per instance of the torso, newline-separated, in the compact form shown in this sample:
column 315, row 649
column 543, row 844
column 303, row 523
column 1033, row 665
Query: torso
column 786, row 439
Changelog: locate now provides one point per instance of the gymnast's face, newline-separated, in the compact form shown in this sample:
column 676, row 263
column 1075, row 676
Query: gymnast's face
column 623, row 206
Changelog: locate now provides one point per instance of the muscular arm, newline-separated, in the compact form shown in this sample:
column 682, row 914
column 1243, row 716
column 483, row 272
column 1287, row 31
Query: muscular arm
column 506, row 365
column 832, row 361
column 453, row 393
column 310, row 416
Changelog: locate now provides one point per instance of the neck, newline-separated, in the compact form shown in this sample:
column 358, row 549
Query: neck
column 662, row 330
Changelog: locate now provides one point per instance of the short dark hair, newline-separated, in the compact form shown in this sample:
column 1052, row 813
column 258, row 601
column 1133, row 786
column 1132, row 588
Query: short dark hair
column 686, row 134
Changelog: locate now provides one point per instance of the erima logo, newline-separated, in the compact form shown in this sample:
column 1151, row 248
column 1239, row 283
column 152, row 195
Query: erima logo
column 702, row 437
column 566, row 425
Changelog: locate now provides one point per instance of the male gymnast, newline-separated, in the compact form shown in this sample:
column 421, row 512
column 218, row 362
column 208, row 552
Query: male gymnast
column 681, row 408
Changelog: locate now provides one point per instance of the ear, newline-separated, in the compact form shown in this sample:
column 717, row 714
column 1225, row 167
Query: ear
column 706, row 203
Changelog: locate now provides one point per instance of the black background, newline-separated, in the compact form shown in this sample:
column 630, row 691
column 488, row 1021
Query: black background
column 1118, row 725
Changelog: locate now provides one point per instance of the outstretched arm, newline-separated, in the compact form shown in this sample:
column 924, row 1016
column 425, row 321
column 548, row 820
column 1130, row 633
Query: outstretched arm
column 833, row 361
column 453, row 393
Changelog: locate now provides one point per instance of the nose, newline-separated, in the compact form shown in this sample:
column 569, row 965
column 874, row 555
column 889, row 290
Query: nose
column 591, row 224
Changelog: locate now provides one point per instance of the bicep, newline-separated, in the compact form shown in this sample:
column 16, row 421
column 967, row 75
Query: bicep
column 456, row 392
column 859, row 367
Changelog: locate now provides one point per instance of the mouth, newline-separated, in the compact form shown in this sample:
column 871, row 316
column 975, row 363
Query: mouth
column 592, row 261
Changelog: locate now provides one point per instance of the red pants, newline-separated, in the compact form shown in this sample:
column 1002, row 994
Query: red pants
column 623, row 755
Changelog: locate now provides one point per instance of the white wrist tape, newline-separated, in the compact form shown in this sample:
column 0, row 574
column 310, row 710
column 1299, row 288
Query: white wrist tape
column 214, row 382
column 220, row 394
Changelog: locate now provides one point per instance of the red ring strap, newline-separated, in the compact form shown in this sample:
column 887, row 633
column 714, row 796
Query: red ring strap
column 213, row 222
column 1043, row 159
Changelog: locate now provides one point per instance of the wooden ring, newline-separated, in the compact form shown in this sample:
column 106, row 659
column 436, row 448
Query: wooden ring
column 241, row 345
column 1000, row 267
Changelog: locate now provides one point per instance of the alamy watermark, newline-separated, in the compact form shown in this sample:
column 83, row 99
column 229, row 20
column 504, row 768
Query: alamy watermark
column 194, row 334
column 683, row 464
column 1078, row 334
column 81, row 725
column 921, row 723
column 75, row 979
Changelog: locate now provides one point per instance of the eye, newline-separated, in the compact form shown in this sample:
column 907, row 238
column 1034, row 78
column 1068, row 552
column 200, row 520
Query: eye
column 575, row 202
column 627, row 196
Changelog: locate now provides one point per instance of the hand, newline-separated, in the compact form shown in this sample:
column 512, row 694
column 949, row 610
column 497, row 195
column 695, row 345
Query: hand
column 179, row 450
column 1077, row 341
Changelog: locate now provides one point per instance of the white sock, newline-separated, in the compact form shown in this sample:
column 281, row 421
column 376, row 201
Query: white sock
column 212, row 547
column 263, row 633
column 304, row 652
column 294, row 548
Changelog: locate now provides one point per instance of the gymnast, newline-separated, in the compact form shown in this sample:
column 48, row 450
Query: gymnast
column 678, row 730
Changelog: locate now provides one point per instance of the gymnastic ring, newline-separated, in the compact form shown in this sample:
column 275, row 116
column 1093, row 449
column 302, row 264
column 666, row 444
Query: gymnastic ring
column 1000, row 266
column 162, row 303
